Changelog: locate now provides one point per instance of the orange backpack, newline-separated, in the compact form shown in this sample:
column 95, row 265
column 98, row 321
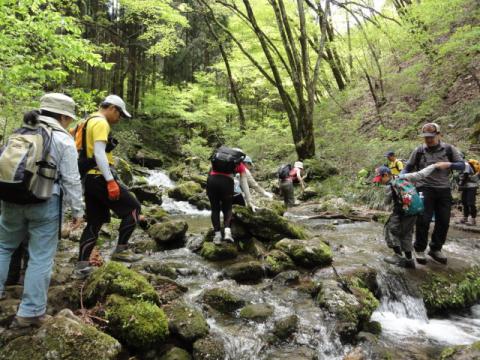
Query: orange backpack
column 475, row 164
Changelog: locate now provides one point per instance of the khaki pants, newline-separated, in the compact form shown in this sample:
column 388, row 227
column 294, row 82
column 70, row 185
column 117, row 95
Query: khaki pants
column 288, row 193
column 398, row 231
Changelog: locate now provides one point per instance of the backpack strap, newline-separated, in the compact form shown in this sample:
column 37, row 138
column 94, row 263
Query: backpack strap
column 84, row 136
column 420, row 152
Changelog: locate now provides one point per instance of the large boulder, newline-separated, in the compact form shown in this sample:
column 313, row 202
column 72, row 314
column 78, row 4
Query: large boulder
column 115, row 278
column 319, row 169
column 176, row 353
column 148, row 193
column 222, row 300
column 170, row 234
column 266, row 225
column 186, row 322
column 224, row 251
column 464, row 352
column 64, row 337
column 277, row 261
column 147, row 158
column 307, row 253
column 246, row 271
column 209, row 348
column 185, row 191
column 257, row 312
column 137, row 323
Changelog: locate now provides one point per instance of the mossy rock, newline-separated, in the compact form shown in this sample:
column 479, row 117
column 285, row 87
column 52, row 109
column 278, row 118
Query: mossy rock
column 222, row 300
column 176, row 353
column 209, row 348
column 147, row 158
column 320, row 169
column 167, row 289
column 185, row 191
column 257, row 312
column 277, row 261
column 137, row 323
column 63, row 337
column 115, row 278
column 373, row 327
column 284, row 327
column 199, row 179
column 213, row 252
column 178, row 172
column 451, row 291
column 463, row 352
column 156, row 213
column 160, row 268
column 147, row 193
column 309, row 254
column 266, row 225
column 186, row 322
column 124, row 171
column 246, row 271
column 169, row 234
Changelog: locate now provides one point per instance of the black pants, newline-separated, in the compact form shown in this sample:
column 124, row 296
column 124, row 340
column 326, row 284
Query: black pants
column 438, row 202
column 469, row 198
column 220, row 194
column 98, row 207
column 238, row 199
column 18, row 264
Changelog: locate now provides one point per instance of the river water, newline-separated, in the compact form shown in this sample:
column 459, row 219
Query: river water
column 406, row 328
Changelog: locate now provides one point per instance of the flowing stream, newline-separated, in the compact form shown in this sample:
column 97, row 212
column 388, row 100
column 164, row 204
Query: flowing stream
column 402, row 314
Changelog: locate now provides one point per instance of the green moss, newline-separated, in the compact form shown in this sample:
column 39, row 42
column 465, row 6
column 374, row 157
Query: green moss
column 176, row 353
column 257, row 312
column 461, row 352
column 209, row 348
column 277, row 261
column 453, row 291
column 137, row 323
column 222, row 300
column 169, row 232
column 185, row 191
column 115, row 278
column 308, row 254
column 213, row 252
column 246, row 271
column 186, row 322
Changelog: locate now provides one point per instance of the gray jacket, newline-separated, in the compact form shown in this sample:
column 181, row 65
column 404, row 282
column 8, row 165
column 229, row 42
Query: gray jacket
column 469, row 180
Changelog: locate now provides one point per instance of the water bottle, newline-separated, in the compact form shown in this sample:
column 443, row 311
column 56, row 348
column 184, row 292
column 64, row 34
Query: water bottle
column 42, row 186
column 421, row 196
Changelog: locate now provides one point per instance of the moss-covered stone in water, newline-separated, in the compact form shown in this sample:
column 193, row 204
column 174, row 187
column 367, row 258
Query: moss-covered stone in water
column 159, row 268
column 257, row 312
column 266, row 225
column 213, row 252
column 186, row 322
column 176, row 353
column 453, row 291
column 222, row 300
column 185, row 191
column 63, row 337
column 115, row 278
column 246, row 271
column 308, row 254
column 277, row 261
column 171, row 233
column 137, row 323
column 285, row 327
column 209, row 348
column 463, row 352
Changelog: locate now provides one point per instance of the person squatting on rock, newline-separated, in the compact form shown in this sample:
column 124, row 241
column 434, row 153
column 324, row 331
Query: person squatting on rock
column 288, row 179
column 238, row 198
column 398, row 230
column 103, row 192
column 468, row 185
column 40, row 220
column 226, row 162
column 436, row 191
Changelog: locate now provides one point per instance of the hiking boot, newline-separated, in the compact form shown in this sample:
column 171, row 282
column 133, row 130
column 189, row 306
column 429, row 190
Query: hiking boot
column 228, row 235
column 217, row 239
column 395, row 259
column 462, row 221
column 437, row 255
column 420, row 256
column 122, row 253
column 82, row 270
column 20, row 322
column 471, row 222
column 409, row 264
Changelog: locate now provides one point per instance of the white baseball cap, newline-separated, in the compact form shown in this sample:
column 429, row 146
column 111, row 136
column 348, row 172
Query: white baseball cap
column 118, row 102
column 298, row 164
column 58, row 104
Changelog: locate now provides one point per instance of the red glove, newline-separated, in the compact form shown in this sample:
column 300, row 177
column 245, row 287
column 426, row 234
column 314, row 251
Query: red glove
column 113, row 190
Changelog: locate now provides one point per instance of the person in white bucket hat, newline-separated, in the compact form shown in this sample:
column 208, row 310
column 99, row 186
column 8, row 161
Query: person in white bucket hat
column 295, row 176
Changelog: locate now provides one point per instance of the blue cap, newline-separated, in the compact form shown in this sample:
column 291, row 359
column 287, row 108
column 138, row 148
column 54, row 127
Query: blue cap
column 380, row 171
column 248, row 160
column 389, row 153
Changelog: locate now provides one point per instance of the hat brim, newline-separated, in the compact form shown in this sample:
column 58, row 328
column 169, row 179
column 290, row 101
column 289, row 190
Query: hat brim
column 377, row 179
column 428, row 135
column 58, row 111
column 126, row 113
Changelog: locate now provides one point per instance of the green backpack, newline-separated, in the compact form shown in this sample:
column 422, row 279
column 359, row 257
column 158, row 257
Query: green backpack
column 408, row 197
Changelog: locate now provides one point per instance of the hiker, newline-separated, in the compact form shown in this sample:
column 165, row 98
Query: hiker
column 468, row 185
column 103, row 191
column 238, row 198
column 395, row 165
column 407, row 204
column 435, row 189
column 33, row 206
column 288, row 176
column 226, row 162
column 18, row 265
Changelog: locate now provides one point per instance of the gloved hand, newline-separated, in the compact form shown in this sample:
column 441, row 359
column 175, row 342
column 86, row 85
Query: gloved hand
column 269, row 195
column 113, row 190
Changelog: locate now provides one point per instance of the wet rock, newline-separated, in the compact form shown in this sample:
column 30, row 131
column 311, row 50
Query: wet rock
column 63, row 337
column 309, row 286
column 290, row 353
column 222, row 300
column 167, row 289
column 147, row 158
column 209, row 348
column 277, row 261
column 115, row 278
column 266, row 225
column 146, row 245
column 176, row 353
column 137, row 323
column 185, row 191
column 186, row 322
column 247, row 271
column 356, row 354
column 283, row 328
column 124, row 171
column 213, row 252
column 373, row 327
column 257, row 312
column 465, row 352
column 62, row 297
column 159, row 268
column 451, row 291
column 8, row 309
column 169, row 234
column 154, row 214
column 254, row 248
column 146, row 193
column 309, row 254
column 287, row 278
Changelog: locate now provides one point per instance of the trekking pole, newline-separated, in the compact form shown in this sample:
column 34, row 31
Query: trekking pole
column 341, row 280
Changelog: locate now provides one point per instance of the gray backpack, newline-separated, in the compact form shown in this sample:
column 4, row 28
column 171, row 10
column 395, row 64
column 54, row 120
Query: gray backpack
column 27, row 174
